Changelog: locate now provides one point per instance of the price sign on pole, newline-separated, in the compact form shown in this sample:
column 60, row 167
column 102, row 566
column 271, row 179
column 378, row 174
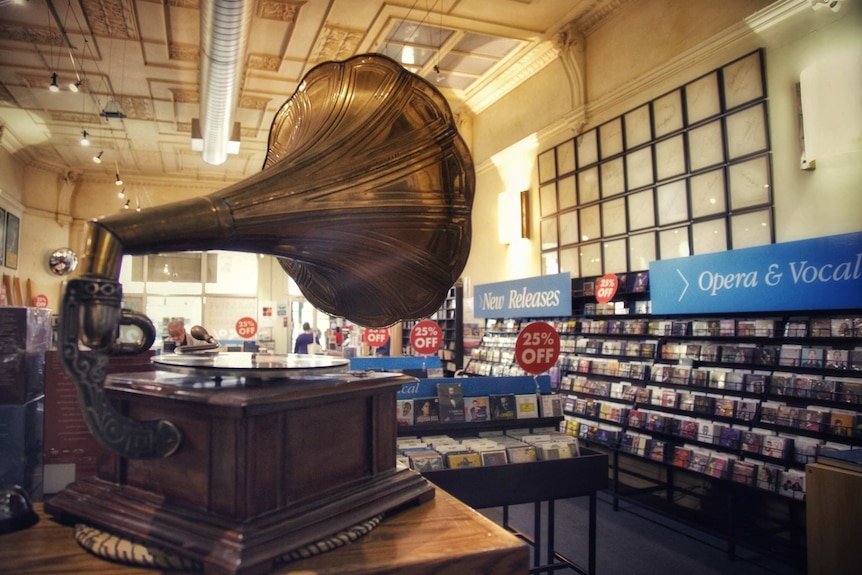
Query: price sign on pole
column 376, row 337
column 537, row 347
column 246, row 327
column 606, row 288
column 426, row 337
column 40, row 300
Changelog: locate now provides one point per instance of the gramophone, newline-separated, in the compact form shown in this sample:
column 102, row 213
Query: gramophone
column 365, row 198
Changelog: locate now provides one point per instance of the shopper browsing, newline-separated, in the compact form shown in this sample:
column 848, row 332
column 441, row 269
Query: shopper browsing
column 304, row 339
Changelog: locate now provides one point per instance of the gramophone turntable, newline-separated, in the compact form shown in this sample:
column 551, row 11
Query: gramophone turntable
column 232, row 460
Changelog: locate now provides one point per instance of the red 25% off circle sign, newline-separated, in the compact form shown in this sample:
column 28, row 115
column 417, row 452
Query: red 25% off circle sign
column 246, row 327
column 376, row 337
column 426, row 337
column 606, row 288
column 537, row 347
column 40, row 300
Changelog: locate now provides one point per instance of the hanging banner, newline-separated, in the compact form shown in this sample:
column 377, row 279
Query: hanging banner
column 542, row 296
column 821, row 273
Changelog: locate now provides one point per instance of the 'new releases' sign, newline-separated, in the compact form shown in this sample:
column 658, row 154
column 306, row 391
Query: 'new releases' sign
column 822, row 273
column 542, row 296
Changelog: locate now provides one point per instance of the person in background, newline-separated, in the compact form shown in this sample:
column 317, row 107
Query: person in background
column 179, row 336
column 303, row 339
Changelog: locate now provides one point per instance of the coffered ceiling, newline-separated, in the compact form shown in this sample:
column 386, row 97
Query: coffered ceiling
column 137, row 65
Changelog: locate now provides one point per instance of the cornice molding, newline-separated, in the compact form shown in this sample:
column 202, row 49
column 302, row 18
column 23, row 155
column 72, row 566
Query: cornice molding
column 529, row 64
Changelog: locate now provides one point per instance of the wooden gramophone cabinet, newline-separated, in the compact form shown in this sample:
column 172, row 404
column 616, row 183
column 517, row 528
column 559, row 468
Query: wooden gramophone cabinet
column 262, row 469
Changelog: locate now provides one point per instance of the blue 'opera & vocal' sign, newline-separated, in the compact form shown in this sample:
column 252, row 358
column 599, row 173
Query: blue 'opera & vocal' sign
column 821, row 273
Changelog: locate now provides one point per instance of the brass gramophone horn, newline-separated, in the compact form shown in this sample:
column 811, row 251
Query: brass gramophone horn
column 365, row 197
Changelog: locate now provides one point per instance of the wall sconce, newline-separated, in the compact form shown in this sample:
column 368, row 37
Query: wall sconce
column 830, row 107
column 513, row 216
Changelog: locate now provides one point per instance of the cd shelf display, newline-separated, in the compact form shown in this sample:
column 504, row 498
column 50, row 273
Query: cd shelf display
column 719, row 414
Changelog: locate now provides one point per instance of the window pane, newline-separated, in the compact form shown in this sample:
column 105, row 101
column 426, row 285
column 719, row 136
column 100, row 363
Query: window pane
column 232, row 273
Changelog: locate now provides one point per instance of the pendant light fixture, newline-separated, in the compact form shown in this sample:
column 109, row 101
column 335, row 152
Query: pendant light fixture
column 85, row 139
column 122, row 193
column 54, row 86
column 97, row 159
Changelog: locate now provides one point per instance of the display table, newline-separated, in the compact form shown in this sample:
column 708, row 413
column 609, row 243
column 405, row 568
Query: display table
column 442, row 536
column 504, row 485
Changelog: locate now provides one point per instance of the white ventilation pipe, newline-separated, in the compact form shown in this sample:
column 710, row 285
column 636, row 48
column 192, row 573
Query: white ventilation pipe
column 225, row 26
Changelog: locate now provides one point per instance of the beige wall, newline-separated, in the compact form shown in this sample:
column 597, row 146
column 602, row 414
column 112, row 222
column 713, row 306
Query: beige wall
column 630, row 60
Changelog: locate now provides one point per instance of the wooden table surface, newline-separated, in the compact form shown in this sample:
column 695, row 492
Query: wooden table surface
column 440, row 537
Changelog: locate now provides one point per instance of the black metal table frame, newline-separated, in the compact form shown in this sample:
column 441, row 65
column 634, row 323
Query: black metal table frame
column 542, row 481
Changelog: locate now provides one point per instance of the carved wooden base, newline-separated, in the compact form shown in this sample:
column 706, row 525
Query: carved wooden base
column 222, row 545
column 261, row 470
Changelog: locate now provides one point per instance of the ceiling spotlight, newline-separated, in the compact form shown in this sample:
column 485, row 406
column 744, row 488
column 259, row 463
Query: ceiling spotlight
column 126, row 205
column 54, row 87
column 85, row 141
column 122, row 193
column 119, row 181
column 439, row 76
column 97, row 159
column 75, row 86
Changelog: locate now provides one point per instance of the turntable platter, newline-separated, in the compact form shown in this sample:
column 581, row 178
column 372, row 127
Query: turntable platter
column 250, row 365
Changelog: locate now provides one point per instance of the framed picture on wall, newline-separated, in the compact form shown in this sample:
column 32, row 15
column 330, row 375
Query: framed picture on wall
column 588, row 186
column 706, row 146
column 638, row 129
column 746, row 131
column 566, row 157
column 2, row 235
column 547, row 166
column 567, row 195
column 667, row 114
column 13, row 229
column 673, row 243
column 670, row 157
column 743, row 81
column 588, row 149
column 702, row 99
column 548, row 199
column 549, row 234
column 611, row 138
column 569, row 228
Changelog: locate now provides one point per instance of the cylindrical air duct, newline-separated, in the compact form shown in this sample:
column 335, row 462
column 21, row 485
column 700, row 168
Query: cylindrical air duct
column 225, row 26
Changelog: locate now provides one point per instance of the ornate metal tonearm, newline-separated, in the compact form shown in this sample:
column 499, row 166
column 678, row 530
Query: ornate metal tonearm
column 91, row 301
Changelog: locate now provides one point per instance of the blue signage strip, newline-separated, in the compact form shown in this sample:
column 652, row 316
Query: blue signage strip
column 478, row 386
column 394, row 363
column 542, row 296
column 822, row 273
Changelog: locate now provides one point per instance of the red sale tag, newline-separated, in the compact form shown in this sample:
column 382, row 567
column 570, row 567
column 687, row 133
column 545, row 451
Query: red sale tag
column 40, row 300
column 246, row 327
column 606, row 288
column 537, row 347
column 426, row 337
column 376, row 337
